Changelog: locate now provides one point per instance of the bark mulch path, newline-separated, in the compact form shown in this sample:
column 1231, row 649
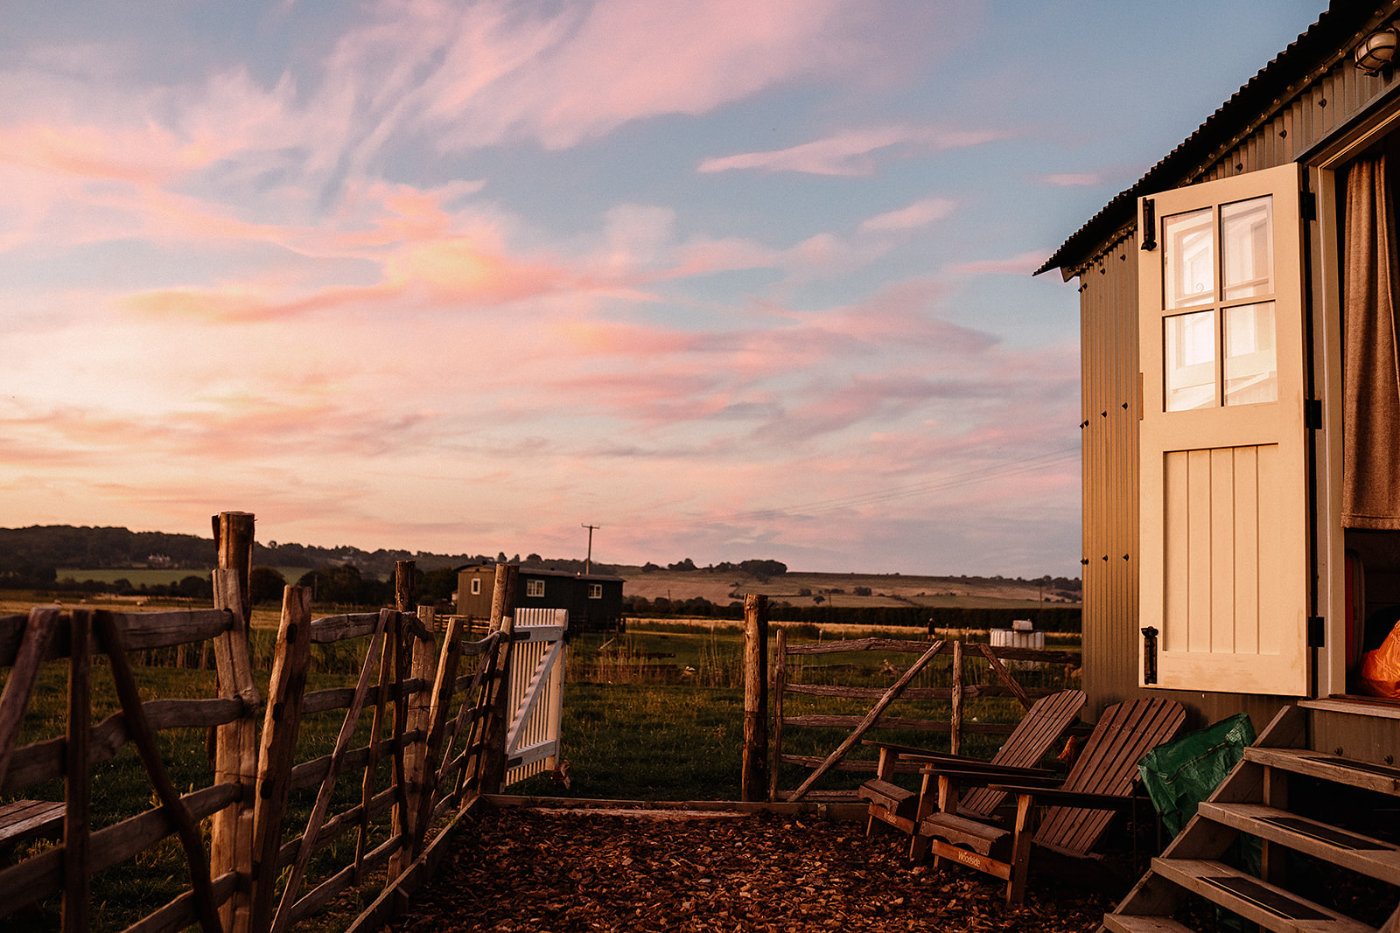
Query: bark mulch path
column 522, row 870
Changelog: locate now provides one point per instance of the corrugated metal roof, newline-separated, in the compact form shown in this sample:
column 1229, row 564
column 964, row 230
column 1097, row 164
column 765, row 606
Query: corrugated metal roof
column 1334, row 27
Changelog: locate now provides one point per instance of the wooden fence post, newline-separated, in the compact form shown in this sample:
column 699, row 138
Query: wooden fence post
column 956, row 717
column 443, row 687
column 493, row 761
column 77, row 821
column 279, row 740
column 233, row 537
column 235, row 756
column 779, row 685
column 423, row 667
column 752, row 782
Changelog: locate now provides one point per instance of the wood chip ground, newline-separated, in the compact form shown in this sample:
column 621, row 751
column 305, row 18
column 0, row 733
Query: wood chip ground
column 536, row 871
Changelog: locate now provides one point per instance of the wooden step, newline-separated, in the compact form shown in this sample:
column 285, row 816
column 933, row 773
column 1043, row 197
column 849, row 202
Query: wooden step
column 1348, row 771
column 1272, row 907
column 1122, row 923
column 1353, row 851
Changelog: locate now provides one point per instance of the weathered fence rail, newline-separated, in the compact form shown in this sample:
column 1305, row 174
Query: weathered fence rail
column 267, row 841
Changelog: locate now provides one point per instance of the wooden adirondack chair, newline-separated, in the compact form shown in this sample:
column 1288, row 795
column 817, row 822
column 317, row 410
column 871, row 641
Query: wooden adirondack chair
column 1079, row 810
column 1044, row 722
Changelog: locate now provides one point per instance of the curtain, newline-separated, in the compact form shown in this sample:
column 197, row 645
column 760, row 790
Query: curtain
column 1371, row 370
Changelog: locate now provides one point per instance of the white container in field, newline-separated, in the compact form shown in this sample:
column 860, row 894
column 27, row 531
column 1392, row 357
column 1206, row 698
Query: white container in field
column 1022, row 634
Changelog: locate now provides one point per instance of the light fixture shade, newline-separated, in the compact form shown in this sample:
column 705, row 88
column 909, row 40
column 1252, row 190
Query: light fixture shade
column 1377, row 51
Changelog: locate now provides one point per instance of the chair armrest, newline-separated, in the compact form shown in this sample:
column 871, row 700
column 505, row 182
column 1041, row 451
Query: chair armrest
column 1069, row 798
column 980, row 778
column 973, row 766
column 903, row 750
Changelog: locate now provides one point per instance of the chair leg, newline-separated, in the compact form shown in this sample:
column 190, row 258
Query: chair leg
column 1021, row 849
column 918, row 848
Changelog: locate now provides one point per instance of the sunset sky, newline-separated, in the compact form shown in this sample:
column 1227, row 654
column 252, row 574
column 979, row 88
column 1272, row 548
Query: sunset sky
column 728, row 279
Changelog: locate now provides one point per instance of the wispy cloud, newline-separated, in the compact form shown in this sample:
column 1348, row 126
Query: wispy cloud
column 1072, row 179
column 444, row 275
column 855, row 152
column 919, row 214
column 1020, row 264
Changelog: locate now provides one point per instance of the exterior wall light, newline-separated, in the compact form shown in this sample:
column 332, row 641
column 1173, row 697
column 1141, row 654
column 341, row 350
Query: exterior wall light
column 1378, row 51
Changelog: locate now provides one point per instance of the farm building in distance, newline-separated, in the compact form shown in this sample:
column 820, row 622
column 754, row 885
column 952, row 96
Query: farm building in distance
column 594, row 600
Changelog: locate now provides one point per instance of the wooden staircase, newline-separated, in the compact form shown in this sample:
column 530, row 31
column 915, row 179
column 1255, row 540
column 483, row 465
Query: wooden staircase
column 1253, row 801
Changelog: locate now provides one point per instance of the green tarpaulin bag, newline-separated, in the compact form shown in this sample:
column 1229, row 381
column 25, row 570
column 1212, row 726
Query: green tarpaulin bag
column 1181, row 774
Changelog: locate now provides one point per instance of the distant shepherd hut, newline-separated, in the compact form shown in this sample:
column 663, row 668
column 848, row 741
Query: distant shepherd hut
column 594, row 600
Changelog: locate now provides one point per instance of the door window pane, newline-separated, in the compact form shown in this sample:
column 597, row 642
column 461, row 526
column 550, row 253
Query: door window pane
column 1251, row 357
column 1247, row 248
column 1188, row 259
column 1188, row 345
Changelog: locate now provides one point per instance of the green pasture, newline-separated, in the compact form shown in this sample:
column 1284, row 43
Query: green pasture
column 657, row 713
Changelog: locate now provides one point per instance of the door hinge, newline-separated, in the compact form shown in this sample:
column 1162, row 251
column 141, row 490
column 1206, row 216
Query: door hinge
column 1317, row 632
column 1307, row 205
column 1148, row 230
column 1149, row 655
column 1312, row 414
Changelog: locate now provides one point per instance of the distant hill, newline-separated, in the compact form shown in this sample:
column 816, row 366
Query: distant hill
column 35, row 553
column 27, row 551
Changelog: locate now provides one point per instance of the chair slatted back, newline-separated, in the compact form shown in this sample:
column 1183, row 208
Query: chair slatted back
column 1044, row 722
column 1107, row 764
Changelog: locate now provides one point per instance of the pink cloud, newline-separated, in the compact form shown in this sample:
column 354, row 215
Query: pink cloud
column 596, row 338
column 855, row 152
column 1020, row 264
column 512, row 76
column 1072, row 179
column 919, row 214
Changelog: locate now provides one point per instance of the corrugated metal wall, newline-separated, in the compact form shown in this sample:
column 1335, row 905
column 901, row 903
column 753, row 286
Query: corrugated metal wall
column 1108, row 321
column 1108, row 324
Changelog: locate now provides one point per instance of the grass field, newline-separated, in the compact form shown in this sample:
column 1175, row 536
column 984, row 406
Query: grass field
column 657, row 714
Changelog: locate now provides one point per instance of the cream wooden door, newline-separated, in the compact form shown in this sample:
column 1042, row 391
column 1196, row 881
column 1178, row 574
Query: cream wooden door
column 1224, row 500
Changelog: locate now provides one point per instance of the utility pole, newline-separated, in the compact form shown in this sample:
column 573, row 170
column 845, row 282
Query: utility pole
column 588, row 562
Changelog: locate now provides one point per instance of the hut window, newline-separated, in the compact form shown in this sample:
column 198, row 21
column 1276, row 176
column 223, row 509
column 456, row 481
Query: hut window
column 534, row 587
column 476, row 586
column 595, row 591
column 1218, row 342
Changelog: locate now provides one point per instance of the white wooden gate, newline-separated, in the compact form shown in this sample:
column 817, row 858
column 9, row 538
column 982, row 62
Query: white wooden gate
column 536, row 688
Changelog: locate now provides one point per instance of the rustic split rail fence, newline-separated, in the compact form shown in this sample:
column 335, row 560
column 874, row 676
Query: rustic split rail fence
column 436, row 737
column 792, row 668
